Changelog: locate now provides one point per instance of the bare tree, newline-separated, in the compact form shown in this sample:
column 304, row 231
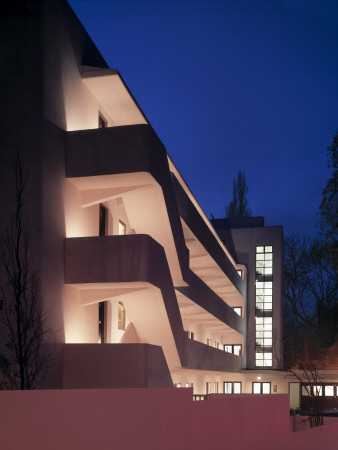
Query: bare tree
column 328, row 208
column 23, row 319
column 238, row 206
column 308, row 377
column 310, row 293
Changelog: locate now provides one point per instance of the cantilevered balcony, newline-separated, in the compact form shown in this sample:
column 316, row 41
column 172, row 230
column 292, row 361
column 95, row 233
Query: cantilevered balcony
column 135, row 266
column 130, row 162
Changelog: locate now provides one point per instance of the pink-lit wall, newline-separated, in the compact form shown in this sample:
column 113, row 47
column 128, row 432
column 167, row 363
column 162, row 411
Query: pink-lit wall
column 158, row 419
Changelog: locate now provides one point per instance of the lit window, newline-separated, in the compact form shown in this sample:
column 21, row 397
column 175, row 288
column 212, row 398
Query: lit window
column 121, row 317
column 122, row 228
column 329, row 391
column 264, row 341
column 259, row 387
column 236, row 349
column 264, row 260
column 232, row 387
column 238, row 310
column 239, row 273
column 317, row 390
column 306, row 391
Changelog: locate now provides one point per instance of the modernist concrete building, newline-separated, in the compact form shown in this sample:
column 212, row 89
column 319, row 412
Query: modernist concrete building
column 140, row 288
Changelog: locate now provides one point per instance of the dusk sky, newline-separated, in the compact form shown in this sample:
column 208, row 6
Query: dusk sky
column 231, row 85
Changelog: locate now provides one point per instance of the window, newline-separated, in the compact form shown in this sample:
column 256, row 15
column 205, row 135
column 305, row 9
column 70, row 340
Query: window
column 317, row 390
column 306, row 391
column 102, row 121
column 209, row 341
column 264, row 341
column 329, row 391
column 121, row 317
column 232, row 387
column 208, row 387
column 238, row 310
column 178, row 385
column 216, row 387
column 239, row 273
column 236, row 349
column 264, row 295
column 191, row 335
column 103, row 221
column 259, row 387
column 102, row 326
column 122, row 228
column 264, row 260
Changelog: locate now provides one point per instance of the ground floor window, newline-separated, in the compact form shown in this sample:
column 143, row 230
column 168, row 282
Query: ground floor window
column 261, row 387
column 236, row 349
column 232, row 387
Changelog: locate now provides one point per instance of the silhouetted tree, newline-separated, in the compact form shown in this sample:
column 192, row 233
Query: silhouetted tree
column 310, row 292
column 23, row 319
column 328, row 208
column 238, row 206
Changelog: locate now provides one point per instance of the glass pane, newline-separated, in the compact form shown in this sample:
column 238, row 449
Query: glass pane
column 266, row 388
column 256, row 388
column 227, row 388
column 317, row 390
column 237, row 350
column 268, row 249
column 329, row 391
column 228, row 348
column 238, row 310
column 122, row 228
column 237, row 388
column 306, row 390
column 259, row 249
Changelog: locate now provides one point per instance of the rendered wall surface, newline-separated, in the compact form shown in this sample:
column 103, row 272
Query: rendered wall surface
column 88, row 366
column 151, row 419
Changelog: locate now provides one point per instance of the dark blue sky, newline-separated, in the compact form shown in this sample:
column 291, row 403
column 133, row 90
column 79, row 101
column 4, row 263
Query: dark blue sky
column 230, row 85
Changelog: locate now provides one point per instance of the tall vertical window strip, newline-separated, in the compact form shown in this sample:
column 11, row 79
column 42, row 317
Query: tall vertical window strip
column 264, row 260
column 264, row 275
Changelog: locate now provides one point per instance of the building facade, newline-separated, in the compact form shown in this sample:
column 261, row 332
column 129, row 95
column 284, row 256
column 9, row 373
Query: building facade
column 141, row 289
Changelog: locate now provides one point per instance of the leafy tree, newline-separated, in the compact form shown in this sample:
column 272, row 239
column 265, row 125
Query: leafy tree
column 22, row 316
column 238, row 206
column 328, row 207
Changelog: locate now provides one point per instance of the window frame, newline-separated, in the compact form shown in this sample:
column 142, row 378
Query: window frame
column 261, row 383
column 119, row 320
column 232, row 383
